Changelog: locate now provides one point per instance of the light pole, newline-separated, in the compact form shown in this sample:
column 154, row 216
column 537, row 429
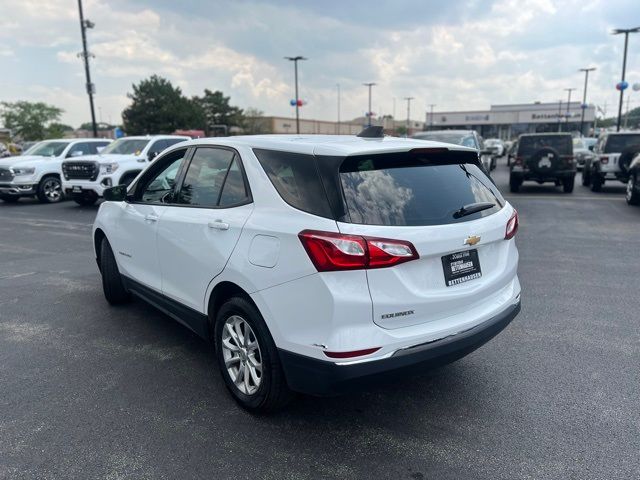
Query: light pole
column 584, row 96
column 84, row 25
column 408, row 99
column 569, row 90
column 338, row 87
column 626, row 32
column 369, row 85
column 431, row 105
column 295, row 61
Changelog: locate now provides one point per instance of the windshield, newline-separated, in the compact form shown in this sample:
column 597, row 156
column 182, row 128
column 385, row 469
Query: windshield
column 619, row 143
column 414, row 190
column 47, row 149
column 492, row 142
column 464, row 139
column 530, row 144
column 578, row 143
column 125, row 146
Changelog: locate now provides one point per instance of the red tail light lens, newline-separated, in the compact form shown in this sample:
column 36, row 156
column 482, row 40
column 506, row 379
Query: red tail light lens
column 604, row 160
column 335, row 251
column 354, row 353
column 512, row 226
column 518, row 161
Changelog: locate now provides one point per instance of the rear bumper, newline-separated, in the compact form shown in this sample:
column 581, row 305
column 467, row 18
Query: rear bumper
column 317, row 377
column 539, row 177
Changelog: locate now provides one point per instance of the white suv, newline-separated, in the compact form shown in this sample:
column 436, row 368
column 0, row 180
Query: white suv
column 37, row 172
column 315, row 263
column 612, row 157
column 85, row 178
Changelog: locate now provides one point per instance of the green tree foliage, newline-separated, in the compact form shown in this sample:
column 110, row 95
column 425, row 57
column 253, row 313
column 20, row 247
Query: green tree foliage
column 159, row 107
column 216, row 110
column 29, row 120
column 57, row 130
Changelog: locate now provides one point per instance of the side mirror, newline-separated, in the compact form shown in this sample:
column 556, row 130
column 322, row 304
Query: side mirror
column 152, row 155
column 115, row 194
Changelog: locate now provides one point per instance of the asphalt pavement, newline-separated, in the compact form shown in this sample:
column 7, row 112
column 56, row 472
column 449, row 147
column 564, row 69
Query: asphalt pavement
column 93, row 391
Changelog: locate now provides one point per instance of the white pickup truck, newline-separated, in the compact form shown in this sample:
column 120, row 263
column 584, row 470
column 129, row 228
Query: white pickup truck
column 85, row 178
column 37, row 172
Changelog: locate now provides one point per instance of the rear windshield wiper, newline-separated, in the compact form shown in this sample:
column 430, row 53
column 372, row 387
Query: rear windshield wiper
column 472, row 208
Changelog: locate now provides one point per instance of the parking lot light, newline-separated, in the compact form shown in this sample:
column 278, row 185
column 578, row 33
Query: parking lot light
column 584, row 96
column 626, row 32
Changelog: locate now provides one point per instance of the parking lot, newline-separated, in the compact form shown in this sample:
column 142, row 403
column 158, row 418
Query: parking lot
column 93, row 391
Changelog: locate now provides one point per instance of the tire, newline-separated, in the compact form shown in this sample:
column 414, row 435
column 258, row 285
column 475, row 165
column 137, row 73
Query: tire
column 266, row 390
column 85, row 199
column 50, row 190
column 633, row 190
column 596, row 182
column 9, row 198
column 112, row 284
column 586, row 176
column 127, row 178
column 493, row 163
column 514, row 184
column 568, row 183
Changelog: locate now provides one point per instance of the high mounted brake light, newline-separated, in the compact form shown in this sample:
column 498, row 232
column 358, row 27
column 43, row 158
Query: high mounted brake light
column 331, row 251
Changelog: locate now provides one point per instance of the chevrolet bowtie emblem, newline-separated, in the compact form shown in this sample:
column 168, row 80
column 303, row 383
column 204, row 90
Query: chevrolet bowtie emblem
column 472, row 240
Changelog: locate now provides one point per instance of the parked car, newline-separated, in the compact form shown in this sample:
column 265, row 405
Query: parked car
column 613, row 155
column 495, row 146
column 544, row 157
column 633, row 184
column 511, row 152
column 85, row 178
column 466, row 138
column 37, row 173
column 315, row 263
column 583, row 150
column 4, row 151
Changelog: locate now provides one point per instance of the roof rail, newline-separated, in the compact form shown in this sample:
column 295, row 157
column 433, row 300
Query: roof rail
column 373, row 131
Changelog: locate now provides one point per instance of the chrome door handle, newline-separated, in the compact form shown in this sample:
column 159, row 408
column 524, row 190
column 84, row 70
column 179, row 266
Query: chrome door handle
column 219, row 225
column 151, row 218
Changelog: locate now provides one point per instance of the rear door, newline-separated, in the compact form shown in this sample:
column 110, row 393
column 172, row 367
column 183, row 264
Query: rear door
column 464, row 260
column 197, row 234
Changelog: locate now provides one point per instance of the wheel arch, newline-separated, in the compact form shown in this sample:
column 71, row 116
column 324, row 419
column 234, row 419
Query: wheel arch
column 98, row 237
column 222, row 292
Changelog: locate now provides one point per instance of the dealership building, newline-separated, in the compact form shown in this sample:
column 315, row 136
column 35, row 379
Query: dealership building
column 509, row 121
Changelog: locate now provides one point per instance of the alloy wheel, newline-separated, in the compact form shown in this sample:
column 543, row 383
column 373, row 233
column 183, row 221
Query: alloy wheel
column 241, row 353
column 52, row 189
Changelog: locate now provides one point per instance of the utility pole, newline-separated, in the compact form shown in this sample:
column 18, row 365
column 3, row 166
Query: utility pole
column 626, row 32
column 338, row 86
column 295, row 61
column 431, row 105
column 584, row 96
column 369, row 84
column 91, row 89
column 569, row 90
column 559, row 115
column 408, row 99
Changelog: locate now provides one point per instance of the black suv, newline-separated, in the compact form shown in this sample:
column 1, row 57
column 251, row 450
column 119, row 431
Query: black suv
column 544, row 157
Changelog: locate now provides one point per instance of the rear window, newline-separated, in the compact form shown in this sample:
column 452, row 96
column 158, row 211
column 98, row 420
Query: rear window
column 528, row 145
column 619, row 143
column 407, row 189
column 296, row 179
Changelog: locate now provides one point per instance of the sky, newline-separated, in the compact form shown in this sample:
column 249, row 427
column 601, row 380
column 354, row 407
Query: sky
column 458, row 54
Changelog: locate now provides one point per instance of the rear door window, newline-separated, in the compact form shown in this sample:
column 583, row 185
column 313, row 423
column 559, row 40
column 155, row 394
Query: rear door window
column 406, row 189
column 528, row 145
column 619, row 143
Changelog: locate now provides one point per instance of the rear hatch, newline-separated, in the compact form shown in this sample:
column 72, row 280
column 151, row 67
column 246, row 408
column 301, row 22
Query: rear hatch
column 418, row 196
column 546, row 153
column 617, row 145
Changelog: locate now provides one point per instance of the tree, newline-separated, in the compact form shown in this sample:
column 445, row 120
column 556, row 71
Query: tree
column 29, row 120
column 57, row 130
column 217, row 111
column 254, row 122
column 159, row 107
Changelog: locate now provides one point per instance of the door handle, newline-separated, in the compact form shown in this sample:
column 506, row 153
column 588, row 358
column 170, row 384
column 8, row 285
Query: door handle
column 151, row 218
column 219, row 225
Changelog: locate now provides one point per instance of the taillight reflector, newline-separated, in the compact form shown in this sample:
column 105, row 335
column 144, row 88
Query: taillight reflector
column 604, row 160
column 518, row 161
column 331, row 251
column 512, row 226
column 354, row 353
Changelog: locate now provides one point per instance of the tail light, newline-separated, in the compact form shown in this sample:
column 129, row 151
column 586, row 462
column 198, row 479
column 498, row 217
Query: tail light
column 519, row 162
column 512, row 226
column 335, row 251
column 354, row 353
column 604, row 160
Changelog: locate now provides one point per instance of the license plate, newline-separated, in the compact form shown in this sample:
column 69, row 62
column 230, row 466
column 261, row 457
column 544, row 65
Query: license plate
column 76, row 189
column 461, row 267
